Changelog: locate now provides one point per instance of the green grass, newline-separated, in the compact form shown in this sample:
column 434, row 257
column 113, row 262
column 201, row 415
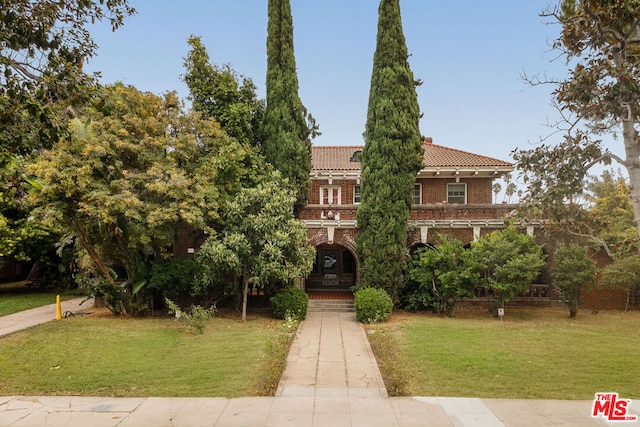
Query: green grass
column 108, row 356
column 531, row 354
column 15, row 297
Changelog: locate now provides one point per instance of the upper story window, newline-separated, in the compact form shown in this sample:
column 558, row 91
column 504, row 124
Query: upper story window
column 356, row 194
column 417, row 194
column 330, row 195
column 457, row 193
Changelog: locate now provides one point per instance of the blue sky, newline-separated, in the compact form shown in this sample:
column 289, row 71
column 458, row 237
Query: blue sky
column 469, row 54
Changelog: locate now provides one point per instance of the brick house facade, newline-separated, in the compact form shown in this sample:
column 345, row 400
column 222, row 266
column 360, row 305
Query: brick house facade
column 453, row 195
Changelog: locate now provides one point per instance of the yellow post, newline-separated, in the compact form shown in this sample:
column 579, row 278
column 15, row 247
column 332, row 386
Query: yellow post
column 58, row 308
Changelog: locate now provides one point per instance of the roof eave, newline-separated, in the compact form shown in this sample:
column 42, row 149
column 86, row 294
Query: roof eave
column 474, row 171
column 430, row 172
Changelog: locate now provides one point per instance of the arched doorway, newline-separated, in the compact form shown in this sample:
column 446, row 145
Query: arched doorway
column 334, row 269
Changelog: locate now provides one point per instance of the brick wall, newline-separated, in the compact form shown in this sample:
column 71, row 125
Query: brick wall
column 460, row 212
column 434, row 190
column 188, row 238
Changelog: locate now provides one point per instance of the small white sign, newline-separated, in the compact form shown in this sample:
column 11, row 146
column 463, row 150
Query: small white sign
column 501, row 312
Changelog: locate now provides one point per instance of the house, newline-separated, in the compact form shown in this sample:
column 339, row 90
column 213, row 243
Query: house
column 452, row 195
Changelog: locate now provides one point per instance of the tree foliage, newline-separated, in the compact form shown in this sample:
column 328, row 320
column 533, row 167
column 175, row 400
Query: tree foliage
column 219, row 92
column 436, row 277
column 44, row 44
column 391, row 157
column 285, row 135
column 609, row 215
column 22, row 237
column 573, row 271
column 623, row 273
column 506, row 263
column 261, row 241
column 135, row 168
column 601, row 43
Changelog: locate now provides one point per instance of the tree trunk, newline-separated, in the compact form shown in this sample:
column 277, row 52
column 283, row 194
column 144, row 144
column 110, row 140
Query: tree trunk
column 573, row 309
column 632, row 151
column 245, row 295
column 86, row 244
column 126, row 259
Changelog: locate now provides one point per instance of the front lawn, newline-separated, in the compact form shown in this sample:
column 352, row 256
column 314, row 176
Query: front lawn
column 531, row 354
column 102, row 355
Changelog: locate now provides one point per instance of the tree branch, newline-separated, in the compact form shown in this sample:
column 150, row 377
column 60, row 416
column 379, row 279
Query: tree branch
column 603, row 244
column 620, row 38
column 607, row 155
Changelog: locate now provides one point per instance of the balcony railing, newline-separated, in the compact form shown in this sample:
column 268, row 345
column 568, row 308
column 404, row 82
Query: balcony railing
column 419, row 213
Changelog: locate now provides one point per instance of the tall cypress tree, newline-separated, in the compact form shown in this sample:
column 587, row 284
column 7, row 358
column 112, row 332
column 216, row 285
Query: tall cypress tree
column 285, row 135
column 391, row 158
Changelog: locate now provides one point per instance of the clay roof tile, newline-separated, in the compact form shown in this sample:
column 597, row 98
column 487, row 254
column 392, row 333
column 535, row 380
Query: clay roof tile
column 435, row 156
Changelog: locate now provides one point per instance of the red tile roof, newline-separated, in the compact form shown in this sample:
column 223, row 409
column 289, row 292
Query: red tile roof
column 439, row 156
column 334, row 158
column 435, row 156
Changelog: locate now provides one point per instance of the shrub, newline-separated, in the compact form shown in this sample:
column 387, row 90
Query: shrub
column 290, row 301
column 174, row 277
column 196, row 320
column 113, row 296
column 373, row 305
column 436, row 277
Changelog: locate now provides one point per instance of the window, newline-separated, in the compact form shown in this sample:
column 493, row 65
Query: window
column 356, row 194
column 417, row 194
column 330, row 195
column 457, row 193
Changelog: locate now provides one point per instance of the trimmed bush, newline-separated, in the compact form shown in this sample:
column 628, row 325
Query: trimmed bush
column 290, row 302
column 174, row 277
column 373, row 305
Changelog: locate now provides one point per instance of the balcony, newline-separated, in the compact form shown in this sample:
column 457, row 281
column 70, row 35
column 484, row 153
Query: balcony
column 449, row 215
column 429, row 215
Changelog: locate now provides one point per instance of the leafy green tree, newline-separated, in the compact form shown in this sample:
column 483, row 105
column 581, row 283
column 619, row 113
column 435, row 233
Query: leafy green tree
column 506, row 262
column 261, row 241
column 600, row 40
column 44, row 44
column 285, row 134
column 437, row 277
column 133, row 170
column 609, row 219
column 572, row 271
column 623, row 273
column 221, row 93
column 391, row 158
column 22, row 237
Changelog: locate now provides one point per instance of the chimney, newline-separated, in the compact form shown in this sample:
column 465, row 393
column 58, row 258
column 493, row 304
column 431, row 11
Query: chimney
column 427, row 140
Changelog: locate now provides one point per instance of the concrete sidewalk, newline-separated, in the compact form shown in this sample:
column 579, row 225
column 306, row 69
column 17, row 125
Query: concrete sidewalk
column 332, row 379
column 329, row 407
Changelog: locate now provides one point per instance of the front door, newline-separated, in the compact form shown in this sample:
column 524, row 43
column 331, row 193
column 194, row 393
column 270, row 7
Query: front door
column 330, row 267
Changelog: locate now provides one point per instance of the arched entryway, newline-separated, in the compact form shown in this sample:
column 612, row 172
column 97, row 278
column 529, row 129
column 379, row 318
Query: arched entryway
column 335, row 269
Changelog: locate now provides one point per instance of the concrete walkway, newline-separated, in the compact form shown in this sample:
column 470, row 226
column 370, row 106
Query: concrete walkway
column 37, row 316
column 331, row 351
column 331, row 380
